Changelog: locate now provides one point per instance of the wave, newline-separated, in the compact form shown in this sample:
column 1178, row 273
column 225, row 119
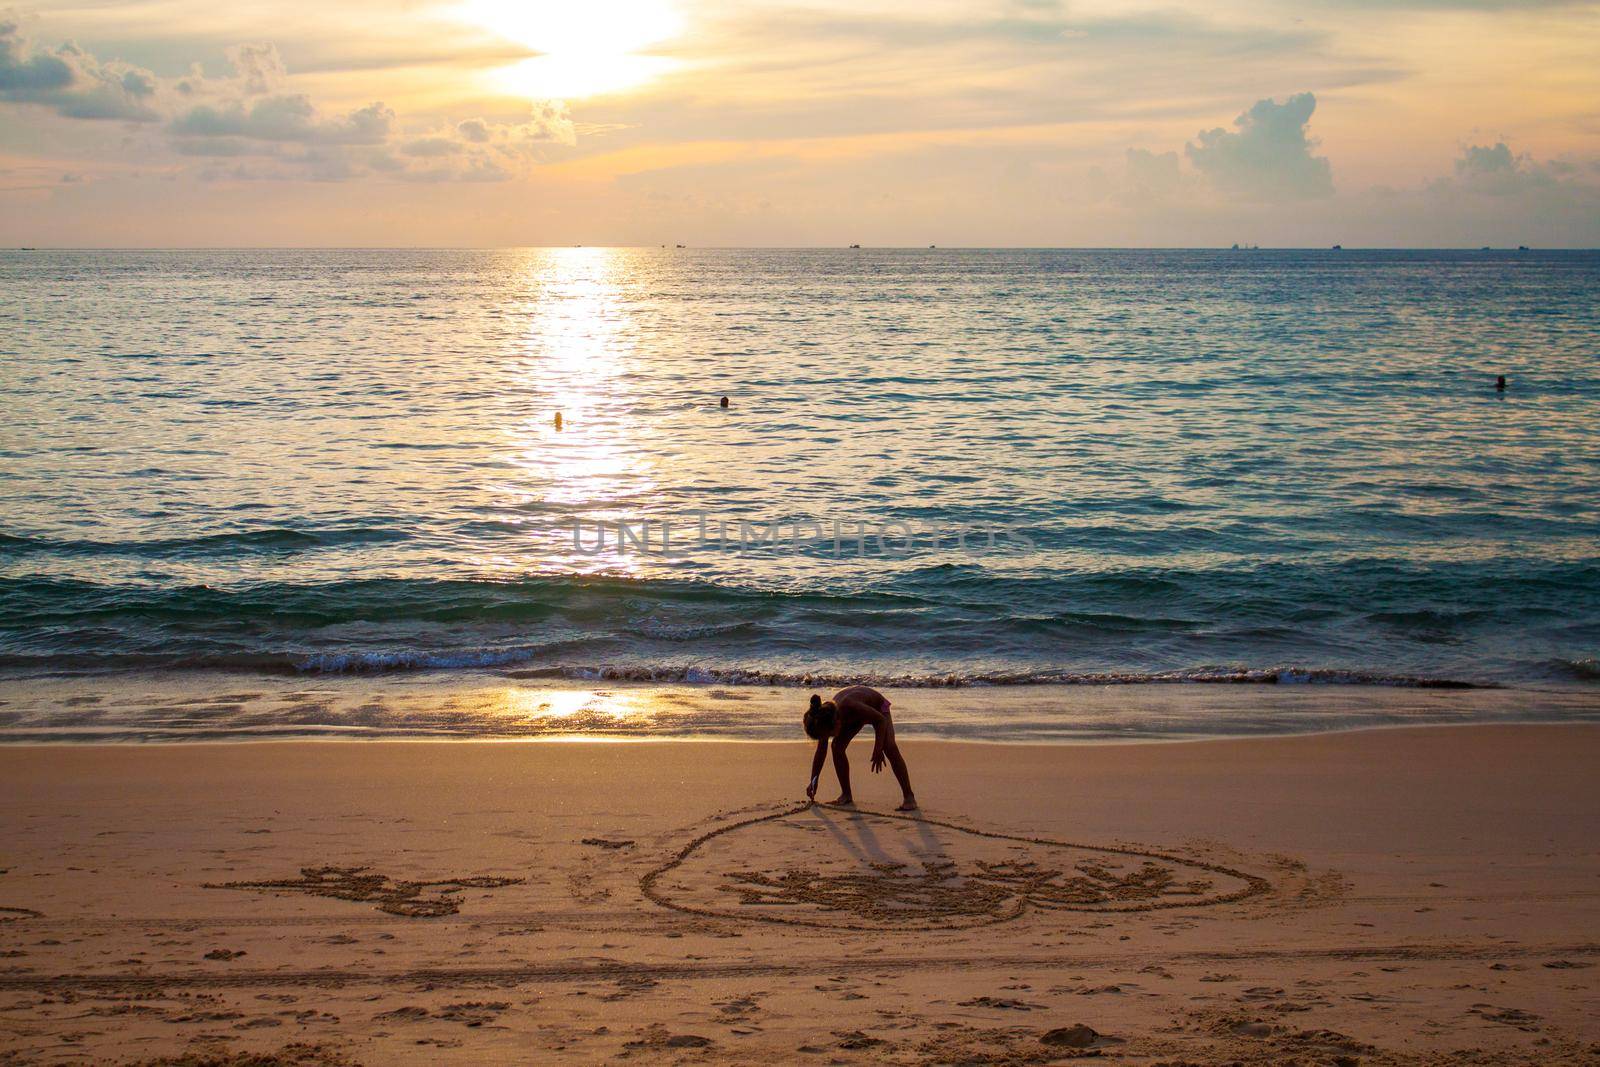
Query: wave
column 512, row 663
column 34, row 601
column 1146, row 598
column 1587, row 670
column 242, row 542
column 936, row 626
column 1206, row 676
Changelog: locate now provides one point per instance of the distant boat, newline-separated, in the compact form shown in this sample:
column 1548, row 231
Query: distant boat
column 1522, row 248
column 933, row 246
column 1486, row 248
column 677, row 246
column 855, row 246
column 1338, row 248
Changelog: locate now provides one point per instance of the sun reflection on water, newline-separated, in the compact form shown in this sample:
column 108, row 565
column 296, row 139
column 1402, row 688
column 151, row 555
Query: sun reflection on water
column 578, row 451
column 548, row 703
column 577, row 710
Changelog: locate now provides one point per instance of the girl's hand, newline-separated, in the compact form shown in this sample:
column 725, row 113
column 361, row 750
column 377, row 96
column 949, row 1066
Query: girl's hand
column 877, row 760
column 811, row 790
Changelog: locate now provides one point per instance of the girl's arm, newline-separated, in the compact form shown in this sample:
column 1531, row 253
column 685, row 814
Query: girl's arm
column 816, row 768
column 883, row 734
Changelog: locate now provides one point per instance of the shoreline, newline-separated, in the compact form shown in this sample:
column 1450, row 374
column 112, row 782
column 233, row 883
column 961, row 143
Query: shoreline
column 1427, row 895
column 602, row 739
column 196, row 707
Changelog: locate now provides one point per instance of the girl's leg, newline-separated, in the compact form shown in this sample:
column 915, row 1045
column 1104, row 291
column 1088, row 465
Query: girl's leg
column 898, row 763
column 841, row 767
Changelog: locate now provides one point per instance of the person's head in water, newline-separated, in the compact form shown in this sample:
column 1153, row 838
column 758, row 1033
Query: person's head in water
column 821, row 718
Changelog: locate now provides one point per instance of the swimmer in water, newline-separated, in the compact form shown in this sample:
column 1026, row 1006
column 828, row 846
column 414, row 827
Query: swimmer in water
column 838, row 721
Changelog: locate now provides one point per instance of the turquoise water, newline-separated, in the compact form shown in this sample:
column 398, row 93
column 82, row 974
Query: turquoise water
column 1096, row 465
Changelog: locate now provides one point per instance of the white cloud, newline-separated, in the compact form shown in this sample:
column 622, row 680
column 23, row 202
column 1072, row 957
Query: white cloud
column 1496, row 196
column 259, row 68
column 287, row 118
column 252, row 117
column 1493, row 170
column 1268, row 157
column 431, row 147
column 71, row 82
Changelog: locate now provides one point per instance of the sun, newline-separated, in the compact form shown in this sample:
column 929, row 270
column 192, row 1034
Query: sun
column 585, row 49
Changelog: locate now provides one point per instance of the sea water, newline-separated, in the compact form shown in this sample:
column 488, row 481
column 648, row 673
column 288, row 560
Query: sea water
column 936, row 467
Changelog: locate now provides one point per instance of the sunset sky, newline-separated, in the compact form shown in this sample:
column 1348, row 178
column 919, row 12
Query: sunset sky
column 951, row 122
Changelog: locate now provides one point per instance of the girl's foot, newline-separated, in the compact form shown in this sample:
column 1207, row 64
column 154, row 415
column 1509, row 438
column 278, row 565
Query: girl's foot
column 846, row 802
column 908, row 804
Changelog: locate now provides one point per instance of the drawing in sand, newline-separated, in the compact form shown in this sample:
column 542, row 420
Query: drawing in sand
column 815, row 866
column 413, row 899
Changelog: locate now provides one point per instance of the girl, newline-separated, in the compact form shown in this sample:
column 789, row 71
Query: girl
column 839, row 720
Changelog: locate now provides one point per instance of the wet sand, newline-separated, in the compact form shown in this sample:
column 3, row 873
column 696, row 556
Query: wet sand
column 188, row 706
column 1404, row 896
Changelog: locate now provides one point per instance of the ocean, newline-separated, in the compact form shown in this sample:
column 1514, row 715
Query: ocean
column 936, row 468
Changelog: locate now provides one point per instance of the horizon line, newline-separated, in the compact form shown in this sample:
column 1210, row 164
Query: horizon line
column 801, row 248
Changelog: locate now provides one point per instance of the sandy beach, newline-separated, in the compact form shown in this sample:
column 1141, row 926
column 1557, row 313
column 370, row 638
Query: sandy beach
column 1399, row 896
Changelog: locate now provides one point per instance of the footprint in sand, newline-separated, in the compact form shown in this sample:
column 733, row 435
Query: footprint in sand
column 656, row 1036
column 828, row 867
column 602, row 842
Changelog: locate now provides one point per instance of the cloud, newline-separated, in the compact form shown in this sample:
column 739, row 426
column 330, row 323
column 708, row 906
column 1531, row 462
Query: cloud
column 477, row 150
column 1456, row 5
column 431, row 146
column 259, row 68
column 1493, row 196
column 23, row 71
column 139, row 83
column 282, row 137
column 1268, row 157
column 792, row 71
column 286, row 118
column 1493, row 170
column 213, row 147
column 478, row 169
column 547, row 123
column 1490, row 194
column 72, row 82
column 248, row 125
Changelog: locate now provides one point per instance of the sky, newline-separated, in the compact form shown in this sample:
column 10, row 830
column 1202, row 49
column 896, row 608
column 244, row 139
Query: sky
column 1409, row 123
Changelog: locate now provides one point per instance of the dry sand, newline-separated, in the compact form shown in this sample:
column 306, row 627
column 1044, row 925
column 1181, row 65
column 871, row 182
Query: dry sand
column 1399, row 896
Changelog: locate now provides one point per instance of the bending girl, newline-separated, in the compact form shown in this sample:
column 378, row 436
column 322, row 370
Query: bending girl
column 839, row 720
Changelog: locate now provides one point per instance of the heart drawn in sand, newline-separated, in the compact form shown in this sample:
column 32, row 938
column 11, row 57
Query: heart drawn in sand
column 835, row 867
